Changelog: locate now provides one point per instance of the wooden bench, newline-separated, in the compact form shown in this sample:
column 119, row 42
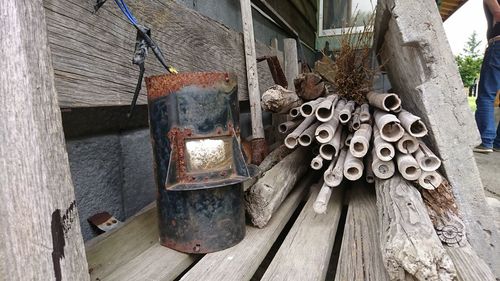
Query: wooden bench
column 297, row 244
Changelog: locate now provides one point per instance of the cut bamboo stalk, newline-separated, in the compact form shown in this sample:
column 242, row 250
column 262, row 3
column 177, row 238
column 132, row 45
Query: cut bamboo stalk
column 295, row 112
column 430, row 180
column 369, row 176
column 317, row 162
column 413, row 125
column 364, row 115
column 321, row 203
column 288, row 126
column 279, row 100
column 331, row 148
column 325, row 110
column 306, row 138
column 353, row 167
column 361, row 141
column 334, row 175
column 355, row 121
column 407, row 144
column 384, row 151
column 408, row 166
column 340, row 105
column 389, row 127
column 397, row 110
column 382, row 169
column 325, row 132
column 426, row 159
column 348, row 139
column 346, row 112
column 307, row 109
column 291, row 140
column 384, row 101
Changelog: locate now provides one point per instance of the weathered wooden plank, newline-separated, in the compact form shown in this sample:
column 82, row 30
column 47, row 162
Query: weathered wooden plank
column 92, row 53
column 305, row 252
column 111, row 250
column 408, row 242
column 360, row 256
column 156, row 263
column 241, row 261
column 40, row 237
column 469, row 265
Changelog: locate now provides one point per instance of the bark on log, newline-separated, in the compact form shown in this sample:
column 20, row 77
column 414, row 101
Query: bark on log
column 309, row 86
column 279, row 100
column 409, row 244
column 443, row 211
column 270, row 161
column 265, row 197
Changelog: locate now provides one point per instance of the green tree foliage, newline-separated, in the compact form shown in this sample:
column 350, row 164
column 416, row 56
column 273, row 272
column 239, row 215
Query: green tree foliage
column 469, row 62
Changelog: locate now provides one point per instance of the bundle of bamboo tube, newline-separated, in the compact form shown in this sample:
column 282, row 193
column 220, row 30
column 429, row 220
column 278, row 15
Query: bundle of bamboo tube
column 377, row 139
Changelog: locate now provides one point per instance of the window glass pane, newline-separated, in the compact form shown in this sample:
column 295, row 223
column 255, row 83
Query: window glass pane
column 339, row 13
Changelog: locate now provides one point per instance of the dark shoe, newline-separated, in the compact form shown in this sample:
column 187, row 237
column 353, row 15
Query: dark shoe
column 482, row 149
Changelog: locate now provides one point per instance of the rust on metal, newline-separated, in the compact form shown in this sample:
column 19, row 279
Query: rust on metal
column 259, row 151
column 277, row 73
column 165, row 84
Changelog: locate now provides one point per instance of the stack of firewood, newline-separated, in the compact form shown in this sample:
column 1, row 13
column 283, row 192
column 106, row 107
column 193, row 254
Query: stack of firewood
column 377, row 138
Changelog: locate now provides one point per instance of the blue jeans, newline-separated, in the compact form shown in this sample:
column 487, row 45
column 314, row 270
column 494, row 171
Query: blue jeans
column 489, row 84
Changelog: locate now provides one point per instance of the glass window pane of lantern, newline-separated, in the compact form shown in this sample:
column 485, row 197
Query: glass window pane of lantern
column 209, row 154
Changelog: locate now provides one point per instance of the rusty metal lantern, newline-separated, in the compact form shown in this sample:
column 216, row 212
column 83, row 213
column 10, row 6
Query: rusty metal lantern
column 199, row 166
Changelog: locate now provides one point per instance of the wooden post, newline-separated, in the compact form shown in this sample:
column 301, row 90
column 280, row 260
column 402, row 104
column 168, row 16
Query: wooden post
column 40, row 234
column 258, row 141
column 291, row 63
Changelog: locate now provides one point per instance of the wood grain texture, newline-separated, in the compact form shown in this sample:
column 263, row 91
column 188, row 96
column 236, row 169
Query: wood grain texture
column 409, row 244
column 265, row 196
column 92, row 53
column 360, row 256
column 40, row 237
column 241, row 261
column 251, row 71
column 305, row 252
column 132, row 252
column 469, row 265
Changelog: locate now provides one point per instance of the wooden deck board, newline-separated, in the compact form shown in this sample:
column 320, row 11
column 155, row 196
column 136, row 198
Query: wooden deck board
column 360, row 256
column 241, row 261
column 306, row 250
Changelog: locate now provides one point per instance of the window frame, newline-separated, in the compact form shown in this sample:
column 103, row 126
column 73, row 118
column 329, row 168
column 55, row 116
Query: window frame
column 334, row 31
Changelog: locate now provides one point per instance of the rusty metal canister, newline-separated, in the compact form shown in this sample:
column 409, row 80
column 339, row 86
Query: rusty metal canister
column 199, row 166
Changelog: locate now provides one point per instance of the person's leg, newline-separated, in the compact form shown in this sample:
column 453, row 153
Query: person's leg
column 496, row 144
column 488, row 86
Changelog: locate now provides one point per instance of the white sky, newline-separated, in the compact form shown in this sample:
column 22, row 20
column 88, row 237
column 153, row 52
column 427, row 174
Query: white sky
column 463, row 22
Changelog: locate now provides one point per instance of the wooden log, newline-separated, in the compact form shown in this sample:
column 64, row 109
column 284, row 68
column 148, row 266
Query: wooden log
column 245, row 257
column 279, row 100
column 309, row 86
column 469, row 265
column 305, row 253
column 427, row 160
column 412, row 124
column 388, row 125
column 91, row 52
column 265, row 196
column 40, row 237
column 384, row 101
column 408, row 166
column 407, row 144
column 272, row 159
column 409, row 244
column 361, row 141
column 291, row 61
column 360, row 257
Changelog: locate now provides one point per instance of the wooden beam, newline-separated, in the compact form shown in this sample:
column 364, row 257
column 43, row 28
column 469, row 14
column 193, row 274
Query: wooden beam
column 241, row 261
column 251, row 71
column 305, row 252
column 92, row 53
column 40, row 235
column 360, row 256
column 469, row 265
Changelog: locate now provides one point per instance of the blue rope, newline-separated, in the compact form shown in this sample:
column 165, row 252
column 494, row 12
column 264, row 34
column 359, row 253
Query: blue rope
column 123, row 7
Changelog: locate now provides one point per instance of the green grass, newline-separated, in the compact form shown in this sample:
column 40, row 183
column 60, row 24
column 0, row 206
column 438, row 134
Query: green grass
column 472, row 103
